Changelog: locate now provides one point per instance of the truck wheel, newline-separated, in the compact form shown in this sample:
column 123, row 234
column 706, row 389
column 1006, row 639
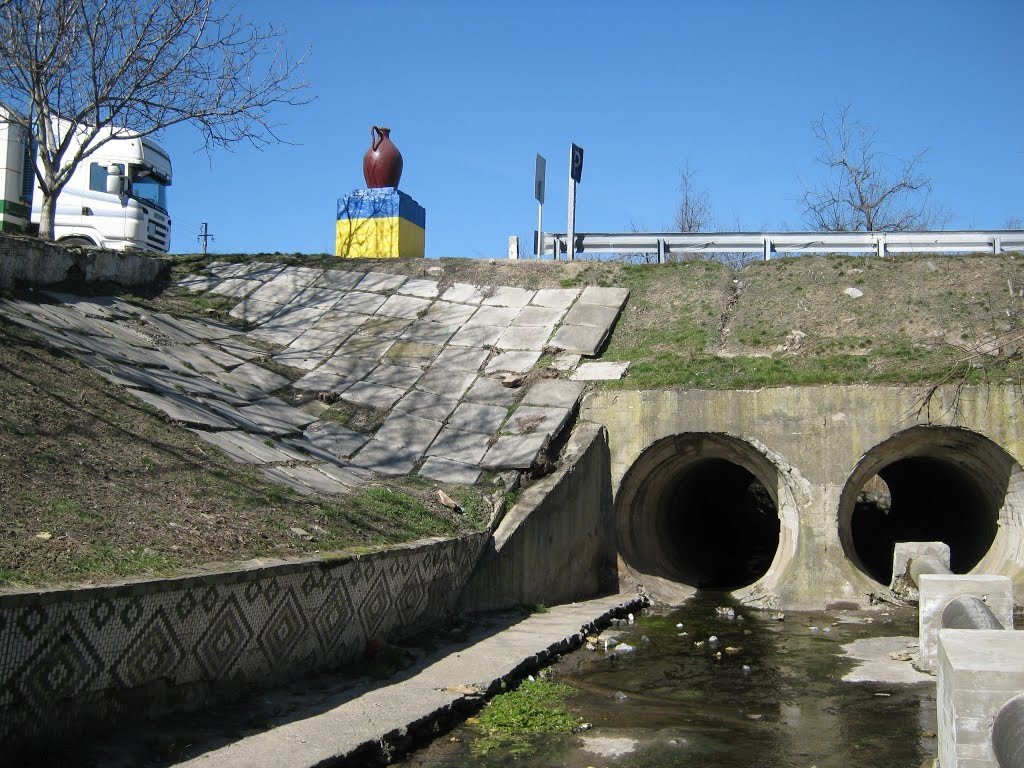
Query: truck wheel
column 78, row 242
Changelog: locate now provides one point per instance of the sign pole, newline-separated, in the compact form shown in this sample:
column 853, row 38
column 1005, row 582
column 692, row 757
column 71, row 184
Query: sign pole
column 538, row 192
column 570, row 238
column 575, row 176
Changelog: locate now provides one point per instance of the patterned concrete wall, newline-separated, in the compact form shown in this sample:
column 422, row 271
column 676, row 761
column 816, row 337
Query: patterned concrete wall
column 74, row 659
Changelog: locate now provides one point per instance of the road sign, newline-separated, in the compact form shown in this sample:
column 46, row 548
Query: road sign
column 538, row 181
column 576, row 164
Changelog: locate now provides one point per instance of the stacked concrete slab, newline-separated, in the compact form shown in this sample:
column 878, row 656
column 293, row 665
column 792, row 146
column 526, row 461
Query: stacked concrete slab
column 443, row 364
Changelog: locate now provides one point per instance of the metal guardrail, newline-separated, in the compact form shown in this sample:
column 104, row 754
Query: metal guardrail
column 668, row 244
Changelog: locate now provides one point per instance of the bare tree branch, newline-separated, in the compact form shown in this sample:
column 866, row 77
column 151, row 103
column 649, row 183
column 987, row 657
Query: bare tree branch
column 80, row 73
column 694, row 212
column 866, row 190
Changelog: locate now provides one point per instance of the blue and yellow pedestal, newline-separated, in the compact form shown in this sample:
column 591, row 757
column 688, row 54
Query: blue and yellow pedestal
column 379, row 223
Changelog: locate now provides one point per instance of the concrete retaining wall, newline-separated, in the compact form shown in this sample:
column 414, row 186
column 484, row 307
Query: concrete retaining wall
column 78, row 659
column 823, row 443
column 557, row 543
column 27, row 261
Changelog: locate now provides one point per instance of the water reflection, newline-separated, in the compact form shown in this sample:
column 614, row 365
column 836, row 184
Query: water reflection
column 768, row 693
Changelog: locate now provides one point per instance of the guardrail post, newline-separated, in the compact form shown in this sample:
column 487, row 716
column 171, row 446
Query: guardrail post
column 997, row 245
column 880, row 240
column 767, row 249
column 661, row 251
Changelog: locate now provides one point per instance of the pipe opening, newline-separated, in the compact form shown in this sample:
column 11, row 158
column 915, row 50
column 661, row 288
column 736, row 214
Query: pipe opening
column 721, row 526
column 701, row 511
column 929, row 484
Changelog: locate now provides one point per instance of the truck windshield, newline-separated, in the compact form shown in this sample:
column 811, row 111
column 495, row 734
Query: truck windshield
column 148, row 188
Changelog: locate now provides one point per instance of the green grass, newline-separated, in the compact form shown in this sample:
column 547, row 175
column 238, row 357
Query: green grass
column 104, row 560
column 509, row 721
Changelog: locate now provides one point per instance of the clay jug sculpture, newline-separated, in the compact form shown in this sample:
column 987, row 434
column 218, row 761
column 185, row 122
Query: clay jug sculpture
column 382, row 163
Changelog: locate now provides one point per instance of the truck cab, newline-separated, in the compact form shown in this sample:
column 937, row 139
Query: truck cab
column 116, row 198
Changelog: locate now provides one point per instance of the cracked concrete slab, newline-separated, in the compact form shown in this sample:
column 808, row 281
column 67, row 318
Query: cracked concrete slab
column 248, row 448
column 427, row 405
column 495, row 316
column 514, row 452
column 546, row 316
column 478, row 417
column 183, row 409
column 513, row 362
column 446, row 471
column 397, row 376
column 334, row 438
column 277, row 416
column 582, row 339
column 360, row 302
column 554, row 392
column 467, row 447
column 449, row 313
column 252, row 311
column 317, row 341
column 385, row 327
column 376, row 395
column 386, row 459
column 381, row 281
column 591, row 314
column 254, row 376
column 477, row 336
column 412, row 353
column 408, row 431
column 600, row 371
column 428, row 332
column 534, row 418
column 464, row 293
column 424, row 289
column 555, row 298
column 461, row 358
column 339, row 279
column 236, row 287
column 525, row 337
column 409, row 307
column 488, row 390
column 608, row 297
column 451, row 383
column 506, row 296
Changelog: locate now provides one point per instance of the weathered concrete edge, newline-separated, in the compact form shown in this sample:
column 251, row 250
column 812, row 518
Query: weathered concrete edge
column 382, row 749
column 227, row 574
column 557, row 544
column 33, row 262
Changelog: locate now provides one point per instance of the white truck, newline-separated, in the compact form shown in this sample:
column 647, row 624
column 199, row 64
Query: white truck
column 116, row 199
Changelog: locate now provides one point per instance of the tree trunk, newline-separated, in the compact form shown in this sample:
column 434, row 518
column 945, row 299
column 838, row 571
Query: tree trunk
column 47, row 216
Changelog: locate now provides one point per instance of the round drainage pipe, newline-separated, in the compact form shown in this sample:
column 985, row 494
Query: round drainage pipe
column 1008, row 734
column 968, row 612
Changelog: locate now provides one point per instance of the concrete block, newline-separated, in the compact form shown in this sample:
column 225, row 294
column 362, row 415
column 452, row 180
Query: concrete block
column 426, row 405
column 903, row 553
column 527, row 337
column 398, row 376
column 514, row 452
column 450, row 313
column 477, row 336
column 978, row 672
column 487, row 390
column 464, row 293
column 385, row 327
column 451, row 383
column 478, row 417
column 554, row 392
column 386, row 459
column 937, row 590
column 425, row 289
column 409, row 307
column 375, row 395
column 591, row 314
column 360, row 302
column 413, row 353
column 462, row 358
column 428, row 332
column 339, row 278
column 607, row 297
column 492, row 316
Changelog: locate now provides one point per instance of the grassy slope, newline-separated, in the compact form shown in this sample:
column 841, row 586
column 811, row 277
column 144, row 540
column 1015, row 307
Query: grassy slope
column 120, row 491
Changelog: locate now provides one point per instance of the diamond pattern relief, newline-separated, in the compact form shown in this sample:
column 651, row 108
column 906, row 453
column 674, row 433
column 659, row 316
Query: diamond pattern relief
column 61, row 669
column 284, row 629
column 224, row 640
column 154, row 652
column 332, row 620
column 376, row 603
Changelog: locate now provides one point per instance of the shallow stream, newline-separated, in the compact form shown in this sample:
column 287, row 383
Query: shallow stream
column 774, row 699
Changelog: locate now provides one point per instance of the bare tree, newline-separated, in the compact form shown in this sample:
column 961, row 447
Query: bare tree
column 1015, row 222
column 866, row 189
column 694, row 213
column 79, row 73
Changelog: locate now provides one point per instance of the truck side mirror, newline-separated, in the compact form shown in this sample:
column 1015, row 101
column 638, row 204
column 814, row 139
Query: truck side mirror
column 115, row 181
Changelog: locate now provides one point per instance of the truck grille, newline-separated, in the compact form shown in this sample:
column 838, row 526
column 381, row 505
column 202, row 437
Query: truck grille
column 158, row 235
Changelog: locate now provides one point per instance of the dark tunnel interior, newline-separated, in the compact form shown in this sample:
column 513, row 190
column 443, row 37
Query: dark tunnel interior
column 922, row 499
column 719, row 525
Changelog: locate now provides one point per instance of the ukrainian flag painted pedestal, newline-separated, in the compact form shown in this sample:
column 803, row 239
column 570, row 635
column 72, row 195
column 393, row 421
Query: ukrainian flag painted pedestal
column 379, row 223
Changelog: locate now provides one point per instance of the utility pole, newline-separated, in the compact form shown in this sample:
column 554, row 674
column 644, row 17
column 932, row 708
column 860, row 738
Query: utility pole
column 204, row 235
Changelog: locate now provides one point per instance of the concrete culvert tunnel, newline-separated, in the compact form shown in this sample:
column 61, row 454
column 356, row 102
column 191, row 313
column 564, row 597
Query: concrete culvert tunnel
column 699, row 511
column 925, row 484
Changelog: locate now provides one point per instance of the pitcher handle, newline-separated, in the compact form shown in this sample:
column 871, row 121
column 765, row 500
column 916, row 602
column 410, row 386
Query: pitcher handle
column 376, row 137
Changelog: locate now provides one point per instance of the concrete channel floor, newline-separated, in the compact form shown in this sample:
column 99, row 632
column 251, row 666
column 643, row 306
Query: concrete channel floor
column 338, row 721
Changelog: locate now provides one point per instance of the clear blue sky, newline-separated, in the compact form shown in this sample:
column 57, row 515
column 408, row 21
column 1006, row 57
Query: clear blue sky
column 473, row 90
